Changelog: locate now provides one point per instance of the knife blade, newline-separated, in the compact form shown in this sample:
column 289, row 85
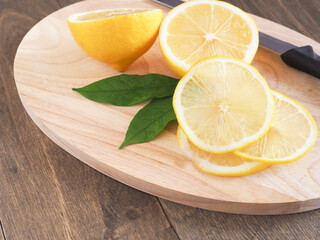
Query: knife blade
column 300, row 58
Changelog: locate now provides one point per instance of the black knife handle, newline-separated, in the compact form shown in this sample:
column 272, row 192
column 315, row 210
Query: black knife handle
column 303, row 59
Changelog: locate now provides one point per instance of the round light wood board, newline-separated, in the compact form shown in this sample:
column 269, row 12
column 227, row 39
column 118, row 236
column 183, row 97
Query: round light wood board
column 49, row 63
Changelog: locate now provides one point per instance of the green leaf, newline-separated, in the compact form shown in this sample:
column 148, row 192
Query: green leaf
column 127, row 90
column 149, row 121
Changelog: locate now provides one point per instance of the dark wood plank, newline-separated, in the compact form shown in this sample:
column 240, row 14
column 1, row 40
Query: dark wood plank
column 299, row 15
column 192, row 223
column 45, row 192
column 64, row 3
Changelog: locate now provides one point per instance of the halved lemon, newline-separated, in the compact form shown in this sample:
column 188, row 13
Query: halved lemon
column 223, row 104
column 116, row 37
column 198, row 29
column 227, row 164
column 292, row 134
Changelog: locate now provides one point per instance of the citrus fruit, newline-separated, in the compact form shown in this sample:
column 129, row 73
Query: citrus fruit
column 292, row 134
column 227, row 164
column 199, row 29
column 116, row 37
column 223, row 104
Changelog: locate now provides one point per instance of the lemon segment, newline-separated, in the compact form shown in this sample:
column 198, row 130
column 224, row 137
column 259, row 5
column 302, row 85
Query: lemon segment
column 116, row 37
column 223, row 104
column 292, row 134
column 227, row 164
column 199, row 29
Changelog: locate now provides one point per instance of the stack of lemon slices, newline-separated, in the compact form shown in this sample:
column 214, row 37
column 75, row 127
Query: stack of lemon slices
column 230, row 122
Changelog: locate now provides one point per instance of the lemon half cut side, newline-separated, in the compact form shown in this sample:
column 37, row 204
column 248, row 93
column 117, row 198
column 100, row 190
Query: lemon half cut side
column 116, row 37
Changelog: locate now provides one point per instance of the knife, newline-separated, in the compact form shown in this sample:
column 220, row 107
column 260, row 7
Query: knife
column 300, row 58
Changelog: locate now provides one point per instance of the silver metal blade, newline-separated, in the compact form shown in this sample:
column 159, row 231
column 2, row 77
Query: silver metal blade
column 169, row 3
column 274, row 44
column 265, row 40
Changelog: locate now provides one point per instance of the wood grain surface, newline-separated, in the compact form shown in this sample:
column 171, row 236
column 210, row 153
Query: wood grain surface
column 41, row 197
column 49, row 64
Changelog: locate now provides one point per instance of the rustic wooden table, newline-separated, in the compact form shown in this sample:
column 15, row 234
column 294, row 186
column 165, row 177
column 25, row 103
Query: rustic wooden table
column 45, row 193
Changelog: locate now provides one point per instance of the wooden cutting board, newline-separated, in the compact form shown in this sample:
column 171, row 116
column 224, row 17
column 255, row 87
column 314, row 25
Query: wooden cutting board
column 49, row 63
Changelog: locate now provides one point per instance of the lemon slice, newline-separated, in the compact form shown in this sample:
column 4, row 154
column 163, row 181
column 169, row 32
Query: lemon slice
column 223, row 104
column 199, row 29
column 292, row 134
column 227, row 164
column 116, row 37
